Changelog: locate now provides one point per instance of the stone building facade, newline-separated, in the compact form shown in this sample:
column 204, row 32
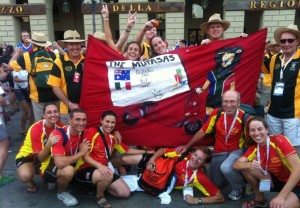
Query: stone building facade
column 176, row 23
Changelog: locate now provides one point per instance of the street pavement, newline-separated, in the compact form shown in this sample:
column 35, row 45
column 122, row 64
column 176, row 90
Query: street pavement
column 14, row 194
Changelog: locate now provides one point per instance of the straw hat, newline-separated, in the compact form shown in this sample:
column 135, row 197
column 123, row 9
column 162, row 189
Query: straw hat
column 39, row 39
column 100, row 36
column 273, row 43
column 216, row 18
column 71, row 36
column 290, row 29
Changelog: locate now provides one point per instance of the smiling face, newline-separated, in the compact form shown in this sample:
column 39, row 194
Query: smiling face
column 158, row 45
column 77, row 122
column 108, row 123
column 215, row 31
column 150, row 33
column 197, row 159
column 132, row 52
column 51, row 115
column 258, row 132
column 289, row 48
column 74, row 50
column 231, row 102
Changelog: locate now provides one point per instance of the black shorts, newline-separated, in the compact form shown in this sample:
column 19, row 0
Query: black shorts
column 50, row 174
column 85, row 176
column 278, row 185
column 34, row 160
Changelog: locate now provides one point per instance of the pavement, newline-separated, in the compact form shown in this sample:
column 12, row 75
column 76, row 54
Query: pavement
column 15, row 195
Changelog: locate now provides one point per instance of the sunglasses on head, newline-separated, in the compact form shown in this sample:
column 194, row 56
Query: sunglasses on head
column 282, row 41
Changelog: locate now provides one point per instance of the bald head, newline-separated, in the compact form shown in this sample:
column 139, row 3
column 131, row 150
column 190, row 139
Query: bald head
column 231, row 102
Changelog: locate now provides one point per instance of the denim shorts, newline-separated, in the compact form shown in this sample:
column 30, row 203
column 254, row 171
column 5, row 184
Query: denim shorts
column 3, row 132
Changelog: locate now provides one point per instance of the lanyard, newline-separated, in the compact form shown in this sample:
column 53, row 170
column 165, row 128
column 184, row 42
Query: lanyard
column 186, row 181
column 232, row 125
column 69, row 137
column 268, row 154
column 44, row 131
column 110, row 149
column 283, row 65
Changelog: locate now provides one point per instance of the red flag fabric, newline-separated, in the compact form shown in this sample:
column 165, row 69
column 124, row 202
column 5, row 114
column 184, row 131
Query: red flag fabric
column 159, row 102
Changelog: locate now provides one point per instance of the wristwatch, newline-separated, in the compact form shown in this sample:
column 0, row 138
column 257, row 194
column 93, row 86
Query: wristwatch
column 200, row 201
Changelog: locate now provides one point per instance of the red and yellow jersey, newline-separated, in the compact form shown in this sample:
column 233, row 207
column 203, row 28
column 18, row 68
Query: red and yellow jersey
column 280, row 148
column 97, row 151
column 200, row 181
column 35, row 138
column 236, row 137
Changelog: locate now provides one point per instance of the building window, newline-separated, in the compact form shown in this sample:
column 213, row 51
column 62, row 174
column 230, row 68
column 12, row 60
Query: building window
column 194, row 36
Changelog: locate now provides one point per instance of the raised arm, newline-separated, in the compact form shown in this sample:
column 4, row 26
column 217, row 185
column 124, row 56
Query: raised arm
column 107, row 31
column 130, row 24
column 148, row 25
column 197, row 137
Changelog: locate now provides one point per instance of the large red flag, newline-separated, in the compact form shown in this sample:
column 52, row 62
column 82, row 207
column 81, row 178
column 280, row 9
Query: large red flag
column 159, row 102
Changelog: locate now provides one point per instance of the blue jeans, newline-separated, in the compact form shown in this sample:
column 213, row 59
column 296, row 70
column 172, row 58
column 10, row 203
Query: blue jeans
column 222, row 172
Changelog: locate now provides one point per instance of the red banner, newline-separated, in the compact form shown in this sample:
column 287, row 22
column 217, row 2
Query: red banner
column 227, row 64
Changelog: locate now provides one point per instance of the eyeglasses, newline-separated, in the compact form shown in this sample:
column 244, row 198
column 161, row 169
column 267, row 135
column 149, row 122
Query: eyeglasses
column 198, row 159
column 283, row 41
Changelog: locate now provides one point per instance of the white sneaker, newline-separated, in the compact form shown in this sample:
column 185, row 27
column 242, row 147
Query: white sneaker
column 67, row 199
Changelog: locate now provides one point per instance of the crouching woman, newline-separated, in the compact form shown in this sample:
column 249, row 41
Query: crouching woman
column 270, row 164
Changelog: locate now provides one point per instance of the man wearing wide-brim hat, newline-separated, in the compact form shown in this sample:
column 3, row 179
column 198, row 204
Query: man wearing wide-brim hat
column 215, row 27
column 67, row 73
column 39, row 96
column 284, row 111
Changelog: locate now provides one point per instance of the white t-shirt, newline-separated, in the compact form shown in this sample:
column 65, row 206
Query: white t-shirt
column 22, row 74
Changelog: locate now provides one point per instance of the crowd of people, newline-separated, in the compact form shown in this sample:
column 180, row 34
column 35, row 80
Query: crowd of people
column 59, row 147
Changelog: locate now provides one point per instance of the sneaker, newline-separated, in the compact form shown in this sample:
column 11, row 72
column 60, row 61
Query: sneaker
column 6, row 179
column 67, row 199
column 236, row 195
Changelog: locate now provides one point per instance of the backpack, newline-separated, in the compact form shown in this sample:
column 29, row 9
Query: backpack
column 158, row 181
column 41, row 66
column 248, row 109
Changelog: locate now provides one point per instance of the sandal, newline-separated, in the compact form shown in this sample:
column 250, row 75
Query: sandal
column 31, row 189
column 255, row 204
column 104, row 204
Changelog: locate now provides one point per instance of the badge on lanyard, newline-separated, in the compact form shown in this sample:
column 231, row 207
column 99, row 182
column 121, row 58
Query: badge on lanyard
column 76, row 77
column 278, row 89
column 109, row 164
column 264, row 185
column 187, row 190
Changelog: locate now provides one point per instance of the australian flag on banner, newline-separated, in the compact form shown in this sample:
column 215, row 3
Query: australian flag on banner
column 124, row 77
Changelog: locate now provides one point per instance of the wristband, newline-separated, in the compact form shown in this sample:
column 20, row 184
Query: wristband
column 105, row 19
column 128, row 31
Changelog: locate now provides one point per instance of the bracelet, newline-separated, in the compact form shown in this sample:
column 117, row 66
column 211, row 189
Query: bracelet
column 105, row 19
column 128, row 31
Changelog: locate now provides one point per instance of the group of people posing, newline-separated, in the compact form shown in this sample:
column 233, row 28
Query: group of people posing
column 60, row 148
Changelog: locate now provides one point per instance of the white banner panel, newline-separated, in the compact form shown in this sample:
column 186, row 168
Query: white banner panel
column 133, row 82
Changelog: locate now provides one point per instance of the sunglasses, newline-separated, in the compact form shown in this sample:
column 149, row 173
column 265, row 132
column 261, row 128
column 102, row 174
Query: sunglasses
column 283, row 41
